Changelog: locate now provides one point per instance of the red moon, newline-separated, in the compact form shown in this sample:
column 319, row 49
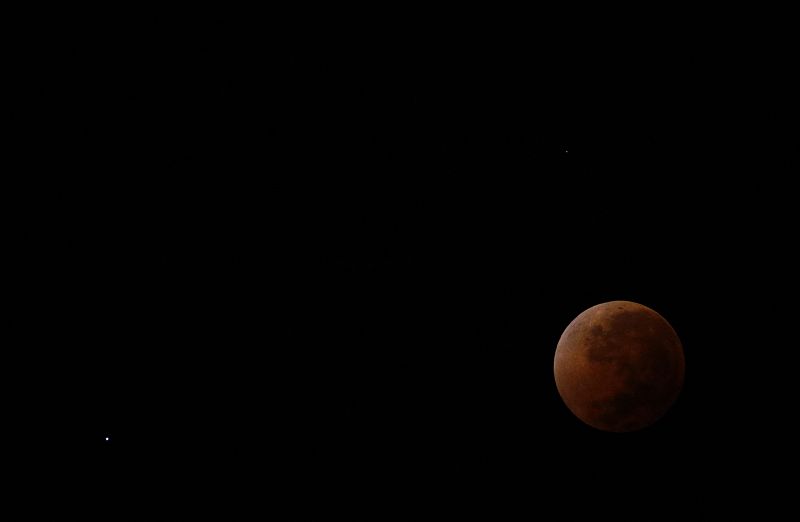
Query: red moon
column 619, row 366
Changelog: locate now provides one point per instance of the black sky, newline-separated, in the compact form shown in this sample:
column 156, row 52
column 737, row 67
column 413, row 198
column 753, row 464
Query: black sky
column 246, row 250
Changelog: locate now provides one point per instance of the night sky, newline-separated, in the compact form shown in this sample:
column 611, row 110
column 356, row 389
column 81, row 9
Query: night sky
column 338, row 270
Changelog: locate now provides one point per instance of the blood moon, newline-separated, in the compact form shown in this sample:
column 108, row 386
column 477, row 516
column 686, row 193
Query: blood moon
column 619, row 366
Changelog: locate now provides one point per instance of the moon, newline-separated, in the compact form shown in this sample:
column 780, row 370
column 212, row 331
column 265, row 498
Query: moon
column 619, row 366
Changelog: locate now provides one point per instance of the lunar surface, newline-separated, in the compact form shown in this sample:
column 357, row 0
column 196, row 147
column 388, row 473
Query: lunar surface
column 619, row 366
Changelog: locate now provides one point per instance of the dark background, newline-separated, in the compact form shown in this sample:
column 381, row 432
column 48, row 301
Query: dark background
column 338, row 266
